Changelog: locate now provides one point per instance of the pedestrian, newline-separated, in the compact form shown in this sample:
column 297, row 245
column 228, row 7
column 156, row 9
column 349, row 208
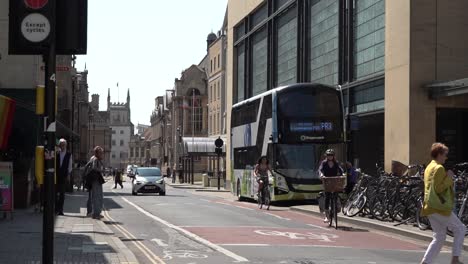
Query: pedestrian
column 63, row 175
column 118, row 178
column 351, row 177
column 94, row 181
column 438, row 206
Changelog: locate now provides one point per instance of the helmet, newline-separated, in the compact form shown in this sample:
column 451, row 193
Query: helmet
column 330, row 152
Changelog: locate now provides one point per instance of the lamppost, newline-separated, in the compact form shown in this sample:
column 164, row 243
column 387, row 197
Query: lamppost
column 90, row 118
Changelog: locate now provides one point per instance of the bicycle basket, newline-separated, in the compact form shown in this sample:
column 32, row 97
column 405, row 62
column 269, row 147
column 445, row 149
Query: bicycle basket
column 334, row 184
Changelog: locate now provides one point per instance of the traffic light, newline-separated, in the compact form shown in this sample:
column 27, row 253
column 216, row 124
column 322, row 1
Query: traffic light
column 31, row 24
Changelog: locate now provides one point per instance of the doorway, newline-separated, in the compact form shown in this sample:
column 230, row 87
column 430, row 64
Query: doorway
column 452, row 130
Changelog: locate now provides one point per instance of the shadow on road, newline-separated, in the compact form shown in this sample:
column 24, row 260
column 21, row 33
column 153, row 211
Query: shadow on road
column 352, row 229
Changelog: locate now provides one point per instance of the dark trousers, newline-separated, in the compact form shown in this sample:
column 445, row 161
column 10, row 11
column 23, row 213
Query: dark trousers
column 59, row 198
column 118, row 180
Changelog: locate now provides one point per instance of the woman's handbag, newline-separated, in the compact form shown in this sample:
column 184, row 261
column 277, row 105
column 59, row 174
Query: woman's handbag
column 442, row 201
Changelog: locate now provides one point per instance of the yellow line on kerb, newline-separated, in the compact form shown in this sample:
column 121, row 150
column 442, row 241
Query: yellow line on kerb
column 145, row 250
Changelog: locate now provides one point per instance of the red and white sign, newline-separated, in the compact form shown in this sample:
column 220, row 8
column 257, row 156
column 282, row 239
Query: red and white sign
column 35, row 4
column 58, row 68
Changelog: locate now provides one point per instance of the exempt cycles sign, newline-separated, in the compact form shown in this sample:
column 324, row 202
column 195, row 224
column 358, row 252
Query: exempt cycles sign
column 6, row 186
column 35, row 27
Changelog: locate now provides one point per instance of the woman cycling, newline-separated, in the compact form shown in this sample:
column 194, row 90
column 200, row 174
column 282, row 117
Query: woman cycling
column 261, row 172
column 329, row 168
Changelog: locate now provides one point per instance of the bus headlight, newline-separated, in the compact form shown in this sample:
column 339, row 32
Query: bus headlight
column 281, row 183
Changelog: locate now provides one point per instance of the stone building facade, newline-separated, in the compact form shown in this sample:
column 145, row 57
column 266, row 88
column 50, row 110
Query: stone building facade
column 122, row 129
column 402, row 66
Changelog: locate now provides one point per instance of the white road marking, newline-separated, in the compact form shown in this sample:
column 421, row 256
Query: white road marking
column 319, row 227
column 246, row 245
column 189, row 234
column 241, row 207
column 279, row 217
column 153, row 258
column 160, row 242
column 205, row 200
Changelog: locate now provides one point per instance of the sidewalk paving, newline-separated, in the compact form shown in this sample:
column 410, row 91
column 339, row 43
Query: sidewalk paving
column 78, row 239
column 197, row 186
column 407, row 230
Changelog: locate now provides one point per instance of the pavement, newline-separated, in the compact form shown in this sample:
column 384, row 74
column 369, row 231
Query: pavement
column 191, row 227
column 408, row 230
column 196, row 186
column 77, row 238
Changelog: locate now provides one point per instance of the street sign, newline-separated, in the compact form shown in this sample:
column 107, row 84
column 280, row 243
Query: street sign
column 219, row 142
column 35, row 4
column 35, row 27
column 59, row 68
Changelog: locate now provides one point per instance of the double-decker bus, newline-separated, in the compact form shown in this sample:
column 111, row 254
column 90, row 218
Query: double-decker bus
column 293, row 126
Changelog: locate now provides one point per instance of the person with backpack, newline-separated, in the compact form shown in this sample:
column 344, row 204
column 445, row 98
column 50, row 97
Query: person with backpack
column 93, row 178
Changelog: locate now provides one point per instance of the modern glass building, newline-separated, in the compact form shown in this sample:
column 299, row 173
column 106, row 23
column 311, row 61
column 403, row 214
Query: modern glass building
column 386, row 55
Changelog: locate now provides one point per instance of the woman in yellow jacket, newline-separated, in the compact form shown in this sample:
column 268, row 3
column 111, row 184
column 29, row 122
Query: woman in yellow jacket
column 438, row 206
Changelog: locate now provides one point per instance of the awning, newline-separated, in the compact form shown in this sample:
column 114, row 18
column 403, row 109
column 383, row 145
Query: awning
column 448, row 88
column 66, row 132
column 200, row 146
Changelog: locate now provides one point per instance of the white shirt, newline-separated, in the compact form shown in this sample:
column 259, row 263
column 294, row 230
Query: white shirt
column 62, row 156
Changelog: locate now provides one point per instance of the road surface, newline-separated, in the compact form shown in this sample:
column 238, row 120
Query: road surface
column 188, row 227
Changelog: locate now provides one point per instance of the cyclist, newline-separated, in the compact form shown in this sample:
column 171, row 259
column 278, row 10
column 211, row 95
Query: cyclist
column 329, row 167
column 261, row 173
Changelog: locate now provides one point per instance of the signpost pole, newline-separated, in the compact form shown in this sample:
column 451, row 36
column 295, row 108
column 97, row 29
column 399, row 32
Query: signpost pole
column 219, row 172
column 50, row 127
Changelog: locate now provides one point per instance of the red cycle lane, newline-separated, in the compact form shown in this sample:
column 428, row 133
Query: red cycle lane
column 355, row 238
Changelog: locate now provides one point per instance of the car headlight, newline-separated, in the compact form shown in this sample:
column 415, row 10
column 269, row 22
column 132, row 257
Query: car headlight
column 160, row 181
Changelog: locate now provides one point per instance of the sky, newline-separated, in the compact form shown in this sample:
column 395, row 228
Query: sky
column 144, row 45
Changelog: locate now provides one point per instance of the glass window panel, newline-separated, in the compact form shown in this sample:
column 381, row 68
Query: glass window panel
column 259, row 16
column 286, row 33
column 369, row 39
column 323, row 31
column 239, row 31
column 280, row 3
column 259, row 62
column 240, row 72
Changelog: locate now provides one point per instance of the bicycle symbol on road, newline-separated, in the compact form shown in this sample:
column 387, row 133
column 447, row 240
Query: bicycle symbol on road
column 168, row 255
column 323, row 237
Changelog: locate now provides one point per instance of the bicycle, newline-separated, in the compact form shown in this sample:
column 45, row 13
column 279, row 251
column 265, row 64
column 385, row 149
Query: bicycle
column 264, row 194
column 333, row 185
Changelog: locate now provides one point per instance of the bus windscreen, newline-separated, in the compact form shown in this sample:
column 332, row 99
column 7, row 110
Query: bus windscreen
column 306, row 115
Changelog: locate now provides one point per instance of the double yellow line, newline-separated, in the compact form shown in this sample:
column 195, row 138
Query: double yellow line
column 145, row 250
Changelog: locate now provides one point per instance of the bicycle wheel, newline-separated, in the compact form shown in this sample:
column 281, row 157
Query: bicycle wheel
column 335, row 209
column 356, row 206
column 331, row 213
column 267, row 199
column 260, row 200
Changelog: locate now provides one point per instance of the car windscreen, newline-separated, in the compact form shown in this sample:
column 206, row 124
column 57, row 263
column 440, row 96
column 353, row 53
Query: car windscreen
column 149, row 172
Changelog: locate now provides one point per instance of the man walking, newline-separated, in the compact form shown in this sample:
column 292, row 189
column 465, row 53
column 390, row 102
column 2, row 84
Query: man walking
column 118, row 178
column 64, row 169
column 94, row 181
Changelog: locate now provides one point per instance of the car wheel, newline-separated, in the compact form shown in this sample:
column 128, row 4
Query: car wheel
column 134, row 193
column 162, row 193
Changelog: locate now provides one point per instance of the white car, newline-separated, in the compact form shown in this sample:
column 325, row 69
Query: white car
column 148, row 180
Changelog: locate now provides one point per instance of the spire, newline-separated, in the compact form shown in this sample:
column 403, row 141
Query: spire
column 108, row 98
column 128, row 96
